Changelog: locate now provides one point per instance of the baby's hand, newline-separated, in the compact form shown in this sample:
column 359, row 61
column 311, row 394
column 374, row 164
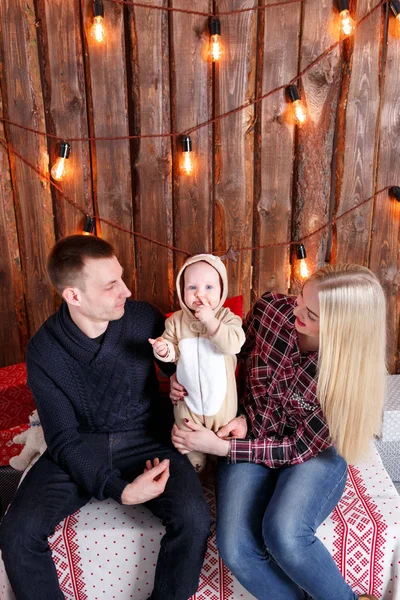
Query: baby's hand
column 204, row 313
column 160, row 346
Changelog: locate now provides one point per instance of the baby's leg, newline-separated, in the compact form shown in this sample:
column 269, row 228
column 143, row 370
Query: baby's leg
column 182, row 412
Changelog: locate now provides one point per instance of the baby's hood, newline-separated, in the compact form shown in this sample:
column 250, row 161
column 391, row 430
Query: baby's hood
column 218, row 265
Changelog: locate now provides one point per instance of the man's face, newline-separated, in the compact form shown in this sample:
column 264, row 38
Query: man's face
column 104, row 295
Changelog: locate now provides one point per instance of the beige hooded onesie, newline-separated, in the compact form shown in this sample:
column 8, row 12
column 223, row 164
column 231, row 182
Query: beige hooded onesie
column 205, row 365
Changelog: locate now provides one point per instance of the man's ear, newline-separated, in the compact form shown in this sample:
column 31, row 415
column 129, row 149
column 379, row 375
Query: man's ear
column 72, row 296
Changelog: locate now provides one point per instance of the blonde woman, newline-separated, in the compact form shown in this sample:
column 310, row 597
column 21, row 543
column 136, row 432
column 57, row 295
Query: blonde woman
column 315, row 375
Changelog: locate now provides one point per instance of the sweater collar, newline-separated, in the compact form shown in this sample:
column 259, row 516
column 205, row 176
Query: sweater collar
column 77, row 343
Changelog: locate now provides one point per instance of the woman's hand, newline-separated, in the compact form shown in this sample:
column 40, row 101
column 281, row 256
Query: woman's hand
column 199, row 438
column 237, row 428
column 177, row 392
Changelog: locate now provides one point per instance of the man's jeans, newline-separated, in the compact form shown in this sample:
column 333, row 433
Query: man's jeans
column 48, row 494
column 266, row 523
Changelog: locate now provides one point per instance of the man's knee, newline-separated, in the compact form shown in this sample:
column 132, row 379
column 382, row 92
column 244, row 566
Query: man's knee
column 194, row 517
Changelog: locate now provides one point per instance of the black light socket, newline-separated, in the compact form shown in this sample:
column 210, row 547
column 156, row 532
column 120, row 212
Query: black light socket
column 215, row 26
column 343, row 5
column 64, row 150
column 186, row 143
column 98, row 8
column 293, row 93
column 394, row 192
column 395, row 6
column 89, row 224
column 301, row 251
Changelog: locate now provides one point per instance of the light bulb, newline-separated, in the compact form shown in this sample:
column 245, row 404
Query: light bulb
column 216, row 48
column 97, row 31
column 347, row 24
column 58, row 170
column 304, row 270
column 395, row 6
column 187, row 158
column 299, row 110
column 215, row 43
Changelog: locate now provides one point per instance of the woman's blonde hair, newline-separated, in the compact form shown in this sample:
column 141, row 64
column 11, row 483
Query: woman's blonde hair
column 352, row 355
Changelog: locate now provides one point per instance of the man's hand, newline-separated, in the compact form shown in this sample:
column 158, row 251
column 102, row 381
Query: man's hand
column 177, row 392
column 160, row 346
column 149, row 485
column 237, row 428
column 198, row 438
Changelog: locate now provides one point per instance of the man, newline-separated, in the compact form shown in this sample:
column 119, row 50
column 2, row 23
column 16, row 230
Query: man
column 91, row 371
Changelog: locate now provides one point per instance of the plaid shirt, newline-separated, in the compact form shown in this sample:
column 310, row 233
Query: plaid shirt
column 287, row 425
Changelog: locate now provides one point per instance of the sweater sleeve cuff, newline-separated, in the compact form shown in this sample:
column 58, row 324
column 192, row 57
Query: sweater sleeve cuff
column 241, row 451
column 114, row 487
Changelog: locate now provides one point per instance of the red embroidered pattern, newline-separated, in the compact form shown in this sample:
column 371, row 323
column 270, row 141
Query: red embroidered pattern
column 359, row 546
column 66, row 559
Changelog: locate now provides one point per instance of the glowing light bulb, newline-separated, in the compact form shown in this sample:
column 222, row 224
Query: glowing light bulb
column 59, row 168
column 302, row 255
column 187, row 158
column 394, row 192
column 97, row 31
column 299, row 110
column 215, row 43
column 304, row 270
column 347, row 24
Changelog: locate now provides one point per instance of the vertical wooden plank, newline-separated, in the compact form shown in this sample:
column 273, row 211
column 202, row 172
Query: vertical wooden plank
column 235, row 142
column 275, row 143
column 320, row 91
column 359, row 107
column 107, row 96
column 23, row 103
column 152, row 156
column 384, row 259
column 13, row 331
column 65, row 105
column 191, row 98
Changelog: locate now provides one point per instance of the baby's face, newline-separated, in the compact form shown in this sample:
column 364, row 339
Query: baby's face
column 201, row 286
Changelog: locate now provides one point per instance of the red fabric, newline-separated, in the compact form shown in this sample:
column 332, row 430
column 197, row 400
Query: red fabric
column 16, row 401
column 7, row 448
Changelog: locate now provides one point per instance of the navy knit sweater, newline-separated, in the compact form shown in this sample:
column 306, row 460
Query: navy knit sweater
column 81, row 386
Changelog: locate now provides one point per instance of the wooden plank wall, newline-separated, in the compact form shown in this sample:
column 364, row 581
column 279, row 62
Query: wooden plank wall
column 258, row 179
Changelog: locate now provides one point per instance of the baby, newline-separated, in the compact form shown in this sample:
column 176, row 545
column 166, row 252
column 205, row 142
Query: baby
column 203, row 339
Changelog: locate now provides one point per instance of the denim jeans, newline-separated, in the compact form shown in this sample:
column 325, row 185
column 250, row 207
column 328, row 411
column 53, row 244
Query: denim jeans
column 266, row 523
column 48, row 494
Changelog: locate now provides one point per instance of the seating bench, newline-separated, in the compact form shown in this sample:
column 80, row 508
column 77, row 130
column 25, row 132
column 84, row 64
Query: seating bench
column 109, row 551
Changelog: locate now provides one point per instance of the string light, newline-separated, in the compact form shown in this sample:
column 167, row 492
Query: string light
column 215, row 43
column 88, row 226
column 299, row 110
column 97, row 31
column 59, row 168
column 347, row 25
column 394, row 192
column 302, row 255
column 187, row 160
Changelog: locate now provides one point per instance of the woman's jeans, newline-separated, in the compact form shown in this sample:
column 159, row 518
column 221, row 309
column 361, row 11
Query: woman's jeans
column 48, row 494
column 266, row 523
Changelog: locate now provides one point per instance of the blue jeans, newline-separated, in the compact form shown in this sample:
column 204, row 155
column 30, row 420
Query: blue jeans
column 266, row 523
column 48, row 494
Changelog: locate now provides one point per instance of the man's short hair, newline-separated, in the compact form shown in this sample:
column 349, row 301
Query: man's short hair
column 68, row 258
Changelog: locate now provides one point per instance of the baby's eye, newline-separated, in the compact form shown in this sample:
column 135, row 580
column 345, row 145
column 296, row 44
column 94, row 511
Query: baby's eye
column 209, row 287
column 191, row 287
